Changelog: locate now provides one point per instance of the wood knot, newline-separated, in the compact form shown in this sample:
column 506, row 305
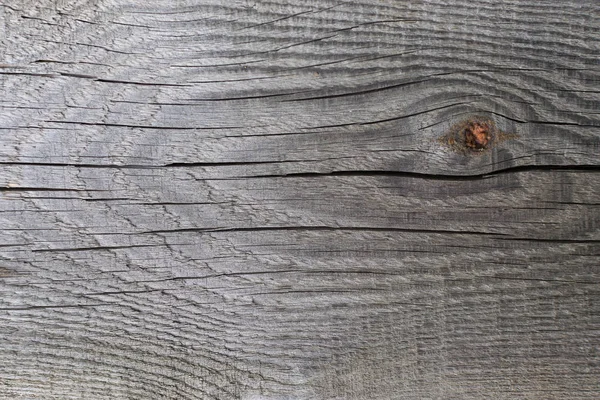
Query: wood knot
column 474, row 135
column 477, row 135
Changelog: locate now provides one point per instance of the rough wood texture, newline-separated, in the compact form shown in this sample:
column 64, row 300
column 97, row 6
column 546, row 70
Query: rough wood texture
column 204, row 199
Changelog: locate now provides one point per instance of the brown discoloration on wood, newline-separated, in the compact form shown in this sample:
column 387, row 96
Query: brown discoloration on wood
column 5, row 272
column 475, row 134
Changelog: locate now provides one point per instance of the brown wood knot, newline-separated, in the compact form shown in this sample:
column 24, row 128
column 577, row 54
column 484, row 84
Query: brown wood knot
column 477, row 135
column 474, row 135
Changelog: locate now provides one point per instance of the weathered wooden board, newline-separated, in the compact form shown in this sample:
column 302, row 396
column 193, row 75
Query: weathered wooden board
column 249, row 200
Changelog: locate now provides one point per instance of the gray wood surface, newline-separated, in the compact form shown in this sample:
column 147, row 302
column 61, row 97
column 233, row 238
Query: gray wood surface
column 254, row 200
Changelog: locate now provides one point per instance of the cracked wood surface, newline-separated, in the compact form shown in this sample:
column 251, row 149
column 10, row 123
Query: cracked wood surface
column 250, row 200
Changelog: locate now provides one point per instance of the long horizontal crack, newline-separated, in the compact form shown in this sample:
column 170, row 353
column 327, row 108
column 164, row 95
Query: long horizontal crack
column 363, row 172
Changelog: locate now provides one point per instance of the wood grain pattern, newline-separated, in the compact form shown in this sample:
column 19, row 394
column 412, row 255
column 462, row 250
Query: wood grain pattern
column 249, row 200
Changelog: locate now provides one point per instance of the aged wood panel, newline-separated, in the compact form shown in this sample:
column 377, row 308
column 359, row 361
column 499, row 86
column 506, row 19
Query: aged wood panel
column 255, row 200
